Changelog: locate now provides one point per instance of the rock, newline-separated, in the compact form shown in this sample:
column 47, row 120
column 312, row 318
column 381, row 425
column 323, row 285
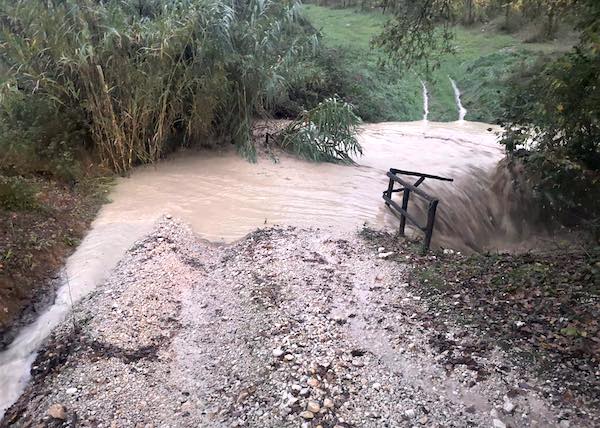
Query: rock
column 381, row 249
column 313, row 407
column 339, row 319
column 278, row 352
column 296, row 389
column 385, row 255
column 71, row 391
column 305, row 392
column 423, row 420
column 307, row 415
column 508, row 406
column 187, row 406
column 357, row 363
column 410, row 413
column 57, row 411
column 328, row 402
column 497, row 423
column 313, row 382
column 169, row 216
column 289, row 357
column 377, row 386
column 564, row 424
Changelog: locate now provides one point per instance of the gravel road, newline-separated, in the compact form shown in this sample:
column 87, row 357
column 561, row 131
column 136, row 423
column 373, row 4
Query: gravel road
column 285, row 328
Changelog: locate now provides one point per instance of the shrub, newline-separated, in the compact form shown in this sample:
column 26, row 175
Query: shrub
column 324, row 133
column 37, row 137
column 553, row 111
column 17, row 194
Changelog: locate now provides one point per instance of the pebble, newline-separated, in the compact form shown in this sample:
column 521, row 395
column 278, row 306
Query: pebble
column 289, row 357
column 357, row 363
column 508, row 406
column 377, row 386
column 423, row 420
column 313, row 382
column 410, row 413
column 71, row 391
column 307, row 414
column 385, row 255
column 57, row 411
column 328, row 402
column 313, row 407
column 278, row 352
column 497, row 423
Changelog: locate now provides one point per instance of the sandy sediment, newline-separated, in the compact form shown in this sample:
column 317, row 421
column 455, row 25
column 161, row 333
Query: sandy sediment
column 284, row 328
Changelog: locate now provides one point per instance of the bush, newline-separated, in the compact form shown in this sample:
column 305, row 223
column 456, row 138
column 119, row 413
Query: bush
column 325, row 133
column 553, row 111
column 17, row 194
column 375, row 91
column 38, row 137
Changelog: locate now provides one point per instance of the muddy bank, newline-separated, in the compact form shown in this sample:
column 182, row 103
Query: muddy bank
column 286, row 327
column 34, row 244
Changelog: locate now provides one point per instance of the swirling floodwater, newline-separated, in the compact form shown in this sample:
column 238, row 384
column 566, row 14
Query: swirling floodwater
column 223, row 197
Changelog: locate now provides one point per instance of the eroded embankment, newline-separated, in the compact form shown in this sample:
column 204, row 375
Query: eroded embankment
column 284, row 327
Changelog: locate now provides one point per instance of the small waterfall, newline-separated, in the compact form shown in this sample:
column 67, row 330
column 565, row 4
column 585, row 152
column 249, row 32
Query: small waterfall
column 425, row 102
column 461, row 110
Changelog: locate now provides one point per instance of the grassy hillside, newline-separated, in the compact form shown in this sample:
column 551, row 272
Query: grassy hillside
column 483, row 61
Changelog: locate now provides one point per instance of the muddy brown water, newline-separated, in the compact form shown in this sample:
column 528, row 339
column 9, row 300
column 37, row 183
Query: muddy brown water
column 223, row 198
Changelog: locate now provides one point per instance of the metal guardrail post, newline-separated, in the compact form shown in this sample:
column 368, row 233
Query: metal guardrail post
column 430, row 223
column 405, row 198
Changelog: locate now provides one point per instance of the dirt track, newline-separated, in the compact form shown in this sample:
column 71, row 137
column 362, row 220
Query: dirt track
column 287, row 327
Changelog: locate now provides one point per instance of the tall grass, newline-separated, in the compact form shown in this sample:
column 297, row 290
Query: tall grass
column 144, row 75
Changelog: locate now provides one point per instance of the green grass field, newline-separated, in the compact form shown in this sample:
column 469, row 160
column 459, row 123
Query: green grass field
column 480, row 66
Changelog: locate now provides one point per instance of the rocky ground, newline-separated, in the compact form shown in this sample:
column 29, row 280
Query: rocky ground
column 285, row 328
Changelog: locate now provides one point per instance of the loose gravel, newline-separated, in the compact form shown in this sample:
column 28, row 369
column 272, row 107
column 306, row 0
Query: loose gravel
column 285, row 328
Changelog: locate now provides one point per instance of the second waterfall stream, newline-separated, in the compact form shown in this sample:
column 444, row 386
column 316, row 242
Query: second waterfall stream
column 462, row 112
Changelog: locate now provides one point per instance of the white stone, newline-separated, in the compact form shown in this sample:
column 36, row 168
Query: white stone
column 71, row 391
column 385, row 255
column 278, row 352
column 307, row 415
column 508, row 406
column 410, row 413
column 497, row 423
column 313, row 407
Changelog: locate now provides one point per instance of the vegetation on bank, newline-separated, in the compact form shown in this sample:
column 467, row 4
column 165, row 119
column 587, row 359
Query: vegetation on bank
column 41, row 223
column 541, row 308
column 482, row 63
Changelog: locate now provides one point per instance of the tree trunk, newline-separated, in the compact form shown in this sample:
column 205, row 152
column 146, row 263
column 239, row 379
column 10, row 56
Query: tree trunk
column 469, row 7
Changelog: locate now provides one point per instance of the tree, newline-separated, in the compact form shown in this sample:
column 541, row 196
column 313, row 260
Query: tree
column 553, row 113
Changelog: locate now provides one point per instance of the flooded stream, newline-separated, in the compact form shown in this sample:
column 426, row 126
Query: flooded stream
column 223, row 197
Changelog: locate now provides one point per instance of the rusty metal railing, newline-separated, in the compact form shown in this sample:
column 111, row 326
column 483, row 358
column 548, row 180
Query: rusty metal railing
column 407, row 189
